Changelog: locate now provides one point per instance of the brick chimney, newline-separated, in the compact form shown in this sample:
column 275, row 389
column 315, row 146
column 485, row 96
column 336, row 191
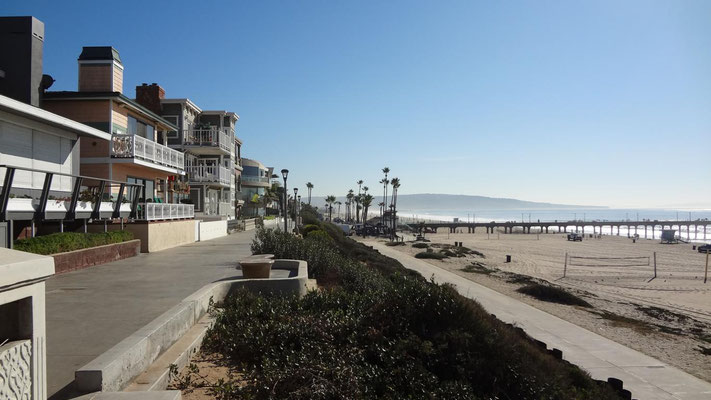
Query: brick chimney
column 100, row 70
column 149, row 96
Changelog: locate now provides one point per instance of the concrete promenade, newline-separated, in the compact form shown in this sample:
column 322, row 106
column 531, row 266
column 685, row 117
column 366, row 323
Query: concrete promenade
column 91, row 310
column 646, row 377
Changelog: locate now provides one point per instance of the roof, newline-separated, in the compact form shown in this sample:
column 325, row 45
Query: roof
column 99, row 53
column 117, row 96
column 28, row 111
column 222, row 112
column 252, row 163
column 187, row 102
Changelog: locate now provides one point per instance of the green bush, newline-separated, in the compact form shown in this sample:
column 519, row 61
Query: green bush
column 552, row 294
column 319, row 235
column 377, row 331
column 308, row 228
column 420, row 245
column 431, row 255
column 69, row 241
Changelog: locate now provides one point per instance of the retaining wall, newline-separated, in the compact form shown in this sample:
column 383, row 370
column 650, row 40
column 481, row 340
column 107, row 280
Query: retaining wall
column 83, row 258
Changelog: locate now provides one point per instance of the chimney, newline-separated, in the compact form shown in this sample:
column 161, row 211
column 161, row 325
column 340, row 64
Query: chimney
column 100, row 70
column 21, row 43
column 149, row 96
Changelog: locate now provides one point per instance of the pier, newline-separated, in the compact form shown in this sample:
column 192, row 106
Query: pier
column 633, row 227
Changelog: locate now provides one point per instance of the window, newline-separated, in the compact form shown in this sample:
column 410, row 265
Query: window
column 148, row 191
column 139, row 128
column 173, row 119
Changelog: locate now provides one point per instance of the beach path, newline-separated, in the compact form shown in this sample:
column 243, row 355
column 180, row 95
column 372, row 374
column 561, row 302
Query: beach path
column 644, row 376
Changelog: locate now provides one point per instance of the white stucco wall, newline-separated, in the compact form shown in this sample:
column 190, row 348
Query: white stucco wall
column 212, row 230
column 31, row 144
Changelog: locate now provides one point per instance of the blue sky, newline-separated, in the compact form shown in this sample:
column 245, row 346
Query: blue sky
column 594, row 102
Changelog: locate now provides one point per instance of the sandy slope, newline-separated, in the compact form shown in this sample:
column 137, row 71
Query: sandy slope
column 619, row 287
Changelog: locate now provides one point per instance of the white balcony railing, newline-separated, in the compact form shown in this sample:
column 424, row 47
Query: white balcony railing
column 207, row 137
column 254, row 179
column 132, row 146
column 163, row 211
column 211, row 173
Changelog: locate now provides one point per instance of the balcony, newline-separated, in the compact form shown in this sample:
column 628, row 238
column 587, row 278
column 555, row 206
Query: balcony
column 209, row 174
column 255, row 181
column 207, row 141
column 137, row 147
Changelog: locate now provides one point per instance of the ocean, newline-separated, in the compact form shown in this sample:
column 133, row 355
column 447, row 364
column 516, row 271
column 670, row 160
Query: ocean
column 570, row 214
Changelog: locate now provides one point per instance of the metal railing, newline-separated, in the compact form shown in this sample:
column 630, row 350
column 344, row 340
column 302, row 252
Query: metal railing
column 165, row 211
column 83, row 202
column 207, row 137
column 132, row 146
column 209, row 173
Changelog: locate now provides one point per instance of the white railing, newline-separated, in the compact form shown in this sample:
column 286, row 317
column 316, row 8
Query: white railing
column 247, row 178
column 209, row 173
column 132, row 146
column 207, row 137
column 159, row 211
column 225, row 208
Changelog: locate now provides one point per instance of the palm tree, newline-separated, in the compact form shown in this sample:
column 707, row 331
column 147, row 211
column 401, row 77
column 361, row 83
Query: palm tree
column 396, row 184
column 338, row 214
column 330, row 199
column 358, row 182
column 309, row 186
column 350, row 197
column 367, row 201
column 384, row 181
column 381, row 205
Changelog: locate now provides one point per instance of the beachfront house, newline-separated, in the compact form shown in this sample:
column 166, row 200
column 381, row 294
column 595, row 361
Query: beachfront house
column 212, row 151
column 256, row 178
column 137, row 150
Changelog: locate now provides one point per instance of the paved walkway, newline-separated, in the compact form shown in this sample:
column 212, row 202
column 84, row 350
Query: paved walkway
column 646, row 377
column 91, row 310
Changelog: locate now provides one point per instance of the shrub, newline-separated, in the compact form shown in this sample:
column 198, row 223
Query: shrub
column 309, row 228
column 69, row 241
column 378, row 334
column 420, row 245
column 552, row 294
column 430, row 255
column 393, row 244
column 319, row 235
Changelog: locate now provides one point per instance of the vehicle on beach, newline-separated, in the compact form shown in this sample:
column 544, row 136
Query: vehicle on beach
column 347, row 229
column 704, row 248
column 575, row 237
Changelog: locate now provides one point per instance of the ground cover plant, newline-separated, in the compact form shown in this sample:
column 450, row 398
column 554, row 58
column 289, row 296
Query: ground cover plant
column 431, row 255
column 69, row 241
column 377, row 330
column 552, row 294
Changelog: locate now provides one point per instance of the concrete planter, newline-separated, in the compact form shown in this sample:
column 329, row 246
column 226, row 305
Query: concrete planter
column 20, row 209
column 256, row 267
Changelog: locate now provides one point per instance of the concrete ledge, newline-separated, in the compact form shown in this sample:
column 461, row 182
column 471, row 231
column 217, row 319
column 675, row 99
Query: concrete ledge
column 117, row 367
column 83, row 258
column 157, row 395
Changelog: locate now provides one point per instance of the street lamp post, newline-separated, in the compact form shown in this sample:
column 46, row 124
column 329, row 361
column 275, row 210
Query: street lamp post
column 298, row 211
column 284, row 174
column 296, row 215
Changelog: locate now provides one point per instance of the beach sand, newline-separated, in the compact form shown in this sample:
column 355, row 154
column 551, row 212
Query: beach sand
column 668, row 317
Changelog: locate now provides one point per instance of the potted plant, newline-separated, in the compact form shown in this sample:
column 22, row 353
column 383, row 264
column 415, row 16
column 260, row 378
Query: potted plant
column 85, row 205
column 21, row 207
column 106, row 208
column 56, row 207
